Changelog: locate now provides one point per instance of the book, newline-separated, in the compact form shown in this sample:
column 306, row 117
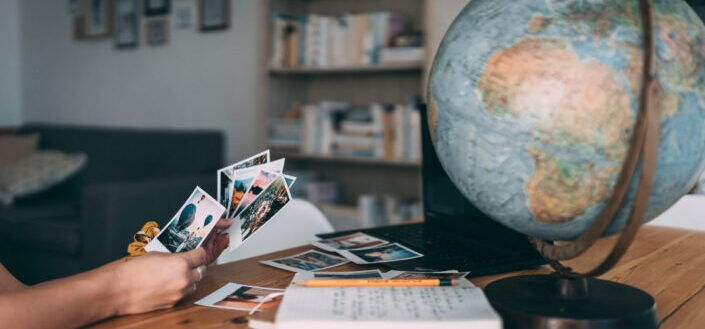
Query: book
column 462, row 306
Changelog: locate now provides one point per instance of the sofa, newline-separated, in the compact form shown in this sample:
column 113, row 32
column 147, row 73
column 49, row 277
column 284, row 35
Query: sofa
column 132, row 176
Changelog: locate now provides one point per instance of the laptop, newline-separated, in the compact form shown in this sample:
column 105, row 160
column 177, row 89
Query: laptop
column 455, row 235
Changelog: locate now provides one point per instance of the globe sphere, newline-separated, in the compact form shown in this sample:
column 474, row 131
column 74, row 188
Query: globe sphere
column 532, row 104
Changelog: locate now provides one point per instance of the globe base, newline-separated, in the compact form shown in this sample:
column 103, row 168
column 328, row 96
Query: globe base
column 555, row 302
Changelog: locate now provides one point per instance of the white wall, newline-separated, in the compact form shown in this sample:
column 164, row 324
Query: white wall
column 438, row 17
column 196, row 81
column 10, row 64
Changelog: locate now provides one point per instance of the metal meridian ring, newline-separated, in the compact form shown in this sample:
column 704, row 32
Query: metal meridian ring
column 644, row 145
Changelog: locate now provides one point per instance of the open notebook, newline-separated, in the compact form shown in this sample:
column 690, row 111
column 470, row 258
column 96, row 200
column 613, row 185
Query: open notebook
column 463, row 306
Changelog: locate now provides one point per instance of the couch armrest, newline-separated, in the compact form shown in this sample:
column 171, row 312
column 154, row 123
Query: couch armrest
column 113, row 212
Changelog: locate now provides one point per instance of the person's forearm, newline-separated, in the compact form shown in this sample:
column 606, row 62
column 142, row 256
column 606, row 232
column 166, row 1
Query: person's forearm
column 8, row 282
column 64, row 303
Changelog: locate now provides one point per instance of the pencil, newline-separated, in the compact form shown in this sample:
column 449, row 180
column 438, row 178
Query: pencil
column 379, row 283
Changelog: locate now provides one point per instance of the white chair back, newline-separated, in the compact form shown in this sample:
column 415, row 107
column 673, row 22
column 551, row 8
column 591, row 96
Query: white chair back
column 294, row 226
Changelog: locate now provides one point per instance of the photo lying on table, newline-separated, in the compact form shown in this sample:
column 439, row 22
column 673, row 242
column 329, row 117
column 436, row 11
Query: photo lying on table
column 307, row 261
column 263, row 208
column 225, row 175
column 190, row 226
column 350, row 241
column 382, row 254
column 235, row 296
column 243, row 180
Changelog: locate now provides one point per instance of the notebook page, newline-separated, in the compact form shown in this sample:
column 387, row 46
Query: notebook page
column 389, row 307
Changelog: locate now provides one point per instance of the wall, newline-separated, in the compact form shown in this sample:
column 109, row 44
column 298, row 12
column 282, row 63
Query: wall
column 439, row 16
column 196, row 81
column 10, row 64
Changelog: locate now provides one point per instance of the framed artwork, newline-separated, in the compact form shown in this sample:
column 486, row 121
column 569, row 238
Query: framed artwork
column 156, row 7
column 73, row 7
column 183, row 15
column 214, row 15
column 126, row 25
column 95, row 20
column 157, row 31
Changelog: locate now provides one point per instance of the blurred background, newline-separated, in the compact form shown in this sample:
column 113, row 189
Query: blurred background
column 112, row 110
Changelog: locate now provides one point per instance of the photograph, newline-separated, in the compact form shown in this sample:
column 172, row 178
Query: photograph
column 214, row 14
column 235, row 296
column 308, row 261
column 393, row 252
column 289, row 180
column 225, row 175
column 95, row 20
column 190, row 226
column 431, row 275
column 156, row 7
column 263, row 208
column 157, row 31
column 261, row 181
column 125, row 23
column 350, row 241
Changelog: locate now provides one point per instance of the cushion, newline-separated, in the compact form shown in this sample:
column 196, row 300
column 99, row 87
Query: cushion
column 16, row 147
column 37, row 173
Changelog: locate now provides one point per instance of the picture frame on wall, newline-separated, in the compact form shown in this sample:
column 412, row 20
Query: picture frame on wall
column 126, row 23
column 156, row 7
column 95, row 20
column 214, row 15
column 157, row 31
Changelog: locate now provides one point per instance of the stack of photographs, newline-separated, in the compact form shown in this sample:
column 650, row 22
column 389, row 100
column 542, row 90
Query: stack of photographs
column 252, row 192
column 361, row 248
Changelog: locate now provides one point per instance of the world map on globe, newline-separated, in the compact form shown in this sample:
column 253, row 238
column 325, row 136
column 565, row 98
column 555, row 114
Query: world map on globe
column 532, row 105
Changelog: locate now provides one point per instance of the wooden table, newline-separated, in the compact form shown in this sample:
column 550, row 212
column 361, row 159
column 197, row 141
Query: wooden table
column 667, row 263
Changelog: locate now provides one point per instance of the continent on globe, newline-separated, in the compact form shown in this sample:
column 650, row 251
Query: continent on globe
column 532, row 104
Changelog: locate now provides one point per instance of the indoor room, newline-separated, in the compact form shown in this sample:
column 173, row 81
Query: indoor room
column 320, row 163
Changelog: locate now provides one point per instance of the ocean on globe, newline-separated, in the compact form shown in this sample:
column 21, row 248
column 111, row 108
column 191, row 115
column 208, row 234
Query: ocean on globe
column 532, row 104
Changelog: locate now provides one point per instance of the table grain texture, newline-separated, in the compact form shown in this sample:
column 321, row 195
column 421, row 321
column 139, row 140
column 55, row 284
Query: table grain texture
column 667, row 263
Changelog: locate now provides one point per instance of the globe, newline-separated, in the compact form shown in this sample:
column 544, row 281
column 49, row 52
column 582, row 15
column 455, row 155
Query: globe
column 532, row 105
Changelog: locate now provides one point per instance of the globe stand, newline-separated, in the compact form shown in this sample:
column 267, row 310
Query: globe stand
column 567, row 299
column 552, row 301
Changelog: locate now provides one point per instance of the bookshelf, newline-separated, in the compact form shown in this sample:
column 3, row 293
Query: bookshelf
column 357, row 84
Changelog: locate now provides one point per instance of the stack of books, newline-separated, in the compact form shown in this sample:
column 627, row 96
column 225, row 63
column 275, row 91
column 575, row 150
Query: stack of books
column 347, row 40
column 379, row 131
column 285, row 133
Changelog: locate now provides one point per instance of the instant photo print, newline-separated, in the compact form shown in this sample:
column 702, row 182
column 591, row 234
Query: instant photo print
column 190, row 226
column 225, row 175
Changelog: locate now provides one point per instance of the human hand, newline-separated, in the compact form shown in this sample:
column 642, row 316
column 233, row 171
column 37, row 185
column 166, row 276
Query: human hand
column 217, row 242
column 157, row 280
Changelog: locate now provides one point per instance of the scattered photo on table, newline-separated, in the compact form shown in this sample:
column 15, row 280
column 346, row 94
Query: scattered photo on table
column 381, row 254
column 235, row 296
column 307, row 261
column 190, row 226
column 431, row 275
column 261, row 181
column 263, row 208
column 350, row 241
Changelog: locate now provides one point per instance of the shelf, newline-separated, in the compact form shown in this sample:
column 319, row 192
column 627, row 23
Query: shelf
column 380, row 68
column 294, row 156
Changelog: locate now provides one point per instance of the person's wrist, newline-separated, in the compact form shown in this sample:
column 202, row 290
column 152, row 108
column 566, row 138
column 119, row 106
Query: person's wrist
column 118, row 292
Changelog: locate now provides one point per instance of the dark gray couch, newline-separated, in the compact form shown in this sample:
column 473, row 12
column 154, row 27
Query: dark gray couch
column 132, row 176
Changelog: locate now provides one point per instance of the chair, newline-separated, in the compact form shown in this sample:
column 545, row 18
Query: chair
column 294, row 226
column 687, row 213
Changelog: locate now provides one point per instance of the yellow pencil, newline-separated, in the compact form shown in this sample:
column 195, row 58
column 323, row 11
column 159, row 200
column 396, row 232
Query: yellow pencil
column 379, row 283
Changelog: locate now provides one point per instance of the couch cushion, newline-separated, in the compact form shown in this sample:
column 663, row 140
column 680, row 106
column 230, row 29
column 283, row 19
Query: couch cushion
column 38, row 172
column 52, row 225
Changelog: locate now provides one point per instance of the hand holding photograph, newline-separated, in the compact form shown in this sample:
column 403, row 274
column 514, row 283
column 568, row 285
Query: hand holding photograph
column 190, row 226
